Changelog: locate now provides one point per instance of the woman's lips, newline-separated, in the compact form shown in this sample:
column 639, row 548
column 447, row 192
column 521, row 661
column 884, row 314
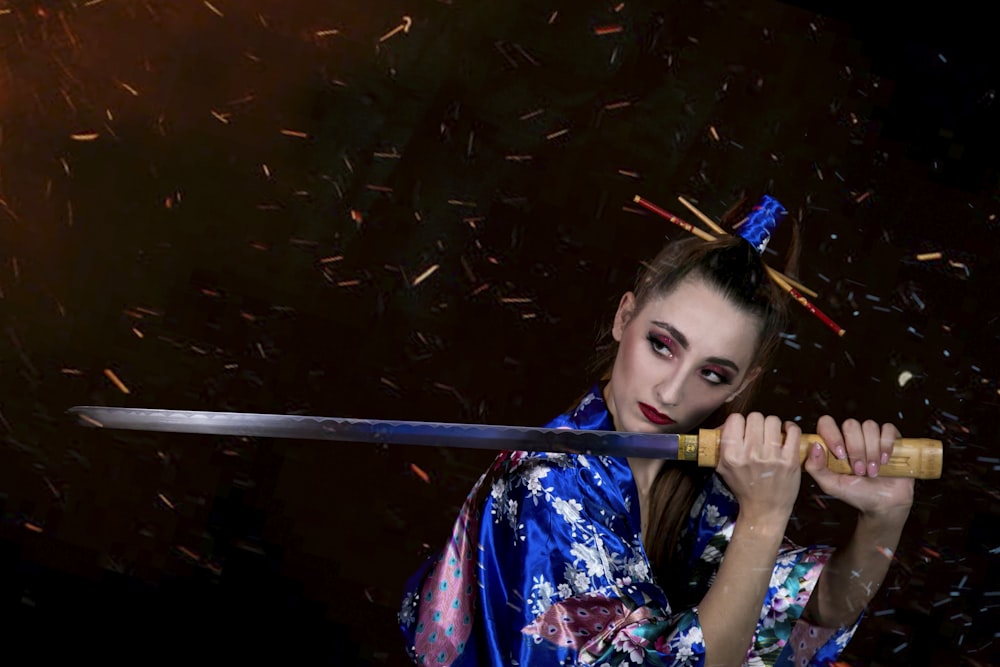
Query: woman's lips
column 654, row 415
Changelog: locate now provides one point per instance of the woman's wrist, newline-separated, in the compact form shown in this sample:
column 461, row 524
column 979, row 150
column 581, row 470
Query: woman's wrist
column 765, row 511
column 767, row 521
column 884, row 519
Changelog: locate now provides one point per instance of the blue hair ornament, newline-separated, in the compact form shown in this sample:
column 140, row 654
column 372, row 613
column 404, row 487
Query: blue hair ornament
column 762, row 222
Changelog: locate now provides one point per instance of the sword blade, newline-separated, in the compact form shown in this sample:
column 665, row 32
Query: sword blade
column 435, row 434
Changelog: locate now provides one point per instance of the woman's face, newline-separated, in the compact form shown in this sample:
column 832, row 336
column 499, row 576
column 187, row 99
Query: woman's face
column 679, row 358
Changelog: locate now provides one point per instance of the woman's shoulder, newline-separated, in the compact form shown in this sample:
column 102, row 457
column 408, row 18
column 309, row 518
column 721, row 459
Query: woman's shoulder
column 561, row 475
column 530, row 464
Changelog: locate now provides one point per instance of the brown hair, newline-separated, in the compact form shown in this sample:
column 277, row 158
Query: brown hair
column 735, row 268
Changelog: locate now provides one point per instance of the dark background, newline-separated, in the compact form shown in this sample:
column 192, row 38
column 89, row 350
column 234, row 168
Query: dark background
column 246, row 227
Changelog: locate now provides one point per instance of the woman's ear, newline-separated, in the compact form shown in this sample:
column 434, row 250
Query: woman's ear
column 626, row 308
column 747, row 381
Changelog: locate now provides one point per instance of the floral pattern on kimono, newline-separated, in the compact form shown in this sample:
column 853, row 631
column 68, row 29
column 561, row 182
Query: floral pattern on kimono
column 546, row 566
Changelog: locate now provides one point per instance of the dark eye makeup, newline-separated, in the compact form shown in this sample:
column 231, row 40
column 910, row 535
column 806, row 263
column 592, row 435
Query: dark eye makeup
column 666, row 347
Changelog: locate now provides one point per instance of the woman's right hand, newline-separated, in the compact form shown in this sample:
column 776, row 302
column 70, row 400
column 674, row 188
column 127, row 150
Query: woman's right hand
column 761, row 465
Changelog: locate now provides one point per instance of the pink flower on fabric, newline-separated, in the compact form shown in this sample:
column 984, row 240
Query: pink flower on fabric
column 662, row 644
column 626, row 642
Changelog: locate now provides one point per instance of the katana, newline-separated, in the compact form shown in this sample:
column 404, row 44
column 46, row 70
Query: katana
column 919, row 458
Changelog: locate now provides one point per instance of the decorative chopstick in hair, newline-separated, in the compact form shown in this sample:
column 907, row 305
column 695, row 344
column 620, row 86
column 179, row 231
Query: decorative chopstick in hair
column 762, row 222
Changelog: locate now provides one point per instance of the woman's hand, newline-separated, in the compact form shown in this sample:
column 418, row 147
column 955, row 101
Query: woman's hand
column 760, row 464
column 855, row 571
column 866, row 446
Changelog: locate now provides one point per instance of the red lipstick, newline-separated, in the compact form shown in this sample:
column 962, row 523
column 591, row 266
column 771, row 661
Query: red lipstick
column 654, row 415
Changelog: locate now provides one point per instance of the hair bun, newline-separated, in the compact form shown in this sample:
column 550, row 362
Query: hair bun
column 738, row 266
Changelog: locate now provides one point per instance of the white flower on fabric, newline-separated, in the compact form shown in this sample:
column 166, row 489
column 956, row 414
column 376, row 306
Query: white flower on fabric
column 499, row 489
column 713, row 517
column 639, row 569
column 582, row 460
column 788, row 558
column 541, row 595
column 534, row 485
column 512, row 512
column 568, row 510
column 576, row 579
column 591, row 557
column 541, row 586
column 685, row 648
column 564, row 591
column 558, row 458
column 779, row 575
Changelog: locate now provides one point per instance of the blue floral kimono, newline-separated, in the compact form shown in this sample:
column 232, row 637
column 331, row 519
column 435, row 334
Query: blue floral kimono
column 545, row 566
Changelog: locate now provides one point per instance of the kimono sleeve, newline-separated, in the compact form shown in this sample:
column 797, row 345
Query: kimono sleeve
column 564, row 578
column 782, row 638
column 782, row 629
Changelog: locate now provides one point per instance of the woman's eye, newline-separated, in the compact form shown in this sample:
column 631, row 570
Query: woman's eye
column 715, row 377
column 660, row 345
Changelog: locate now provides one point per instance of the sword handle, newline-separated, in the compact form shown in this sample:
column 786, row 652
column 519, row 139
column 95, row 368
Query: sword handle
column 919, row 458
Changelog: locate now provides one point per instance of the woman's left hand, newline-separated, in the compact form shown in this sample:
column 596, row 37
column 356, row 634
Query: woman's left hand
column 866, row 446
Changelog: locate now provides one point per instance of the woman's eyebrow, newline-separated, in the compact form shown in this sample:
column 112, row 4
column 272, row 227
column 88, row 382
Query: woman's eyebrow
column 673, row 331
column 683, row 341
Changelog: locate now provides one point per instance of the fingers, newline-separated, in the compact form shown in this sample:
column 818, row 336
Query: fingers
column 772, row 432
column 826, row 428
column 854, row 440
column 762, row 438
column 732, row 433
column 760, row 464
column 815, row 465
column 889, row 436
column 867, row 446
column 872, row 446
column 755, row 432
column 793, row 435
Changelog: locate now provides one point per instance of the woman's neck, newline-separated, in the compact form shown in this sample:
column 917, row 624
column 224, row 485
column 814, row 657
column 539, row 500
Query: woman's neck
column 644, row 472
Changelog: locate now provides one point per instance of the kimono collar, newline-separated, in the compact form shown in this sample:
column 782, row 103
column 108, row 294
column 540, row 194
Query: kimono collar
column 590, row 414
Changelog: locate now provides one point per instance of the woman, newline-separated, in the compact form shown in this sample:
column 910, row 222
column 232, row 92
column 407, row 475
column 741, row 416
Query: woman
column 558, row 559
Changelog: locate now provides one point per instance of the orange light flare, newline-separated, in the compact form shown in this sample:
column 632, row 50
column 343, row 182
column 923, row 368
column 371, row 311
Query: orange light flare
column 419, row 472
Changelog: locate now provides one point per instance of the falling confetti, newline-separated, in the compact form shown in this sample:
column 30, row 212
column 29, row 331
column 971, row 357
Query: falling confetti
column 110, row 374
column 420, row 473
column 265, row 179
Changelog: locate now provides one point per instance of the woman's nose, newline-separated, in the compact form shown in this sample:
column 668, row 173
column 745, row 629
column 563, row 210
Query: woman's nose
column 670, row 390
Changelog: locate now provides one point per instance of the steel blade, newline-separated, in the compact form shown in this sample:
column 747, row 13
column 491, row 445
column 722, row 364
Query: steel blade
column 435, row 434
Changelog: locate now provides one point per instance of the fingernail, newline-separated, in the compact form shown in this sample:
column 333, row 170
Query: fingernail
column 859, row 468
column 873, row 469
column 817, row 450
column 841, row 454
column 885, row 458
